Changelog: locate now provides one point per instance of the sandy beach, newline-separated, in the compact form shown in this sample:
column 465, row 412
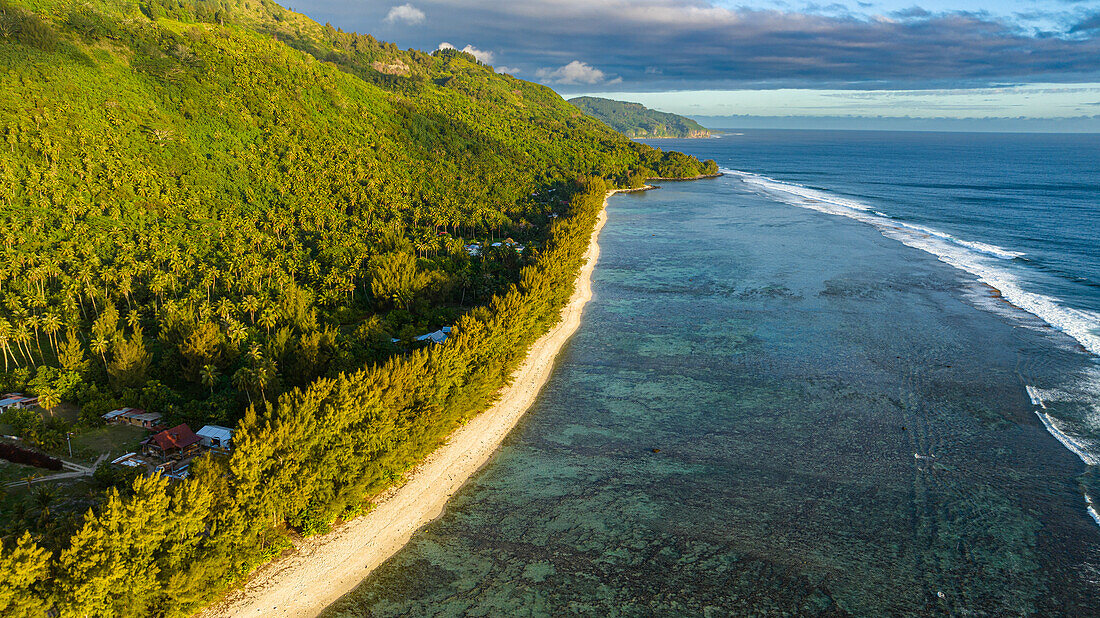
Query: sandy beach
column 324, row 568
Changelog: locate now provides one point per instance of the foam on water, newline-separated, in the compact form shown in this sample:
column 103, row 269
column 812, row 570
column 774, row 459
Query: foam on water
column 967, row 255
column 1092, row 509
column 1071, row 443
column 991, row 265
column 1036, row 399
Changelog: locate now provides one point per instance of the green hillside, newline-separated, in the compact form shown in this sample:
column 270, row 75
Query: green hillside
column 225, row 213
column 636, row 120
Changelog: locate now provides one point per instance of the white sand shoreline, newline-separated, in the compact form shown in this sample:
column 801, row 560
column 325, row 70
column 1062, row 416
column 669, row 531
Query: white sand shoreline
column 326, row 567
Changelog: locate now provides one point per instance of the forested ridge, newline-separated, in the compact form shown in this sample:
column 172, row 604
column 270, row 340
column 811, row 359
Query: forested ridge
column 637, row 120
column 226, row 213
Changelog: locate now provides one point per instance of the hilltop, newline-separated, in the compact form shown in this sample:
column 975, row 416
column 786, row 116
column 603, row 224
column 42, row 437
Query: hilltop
column 635, row 120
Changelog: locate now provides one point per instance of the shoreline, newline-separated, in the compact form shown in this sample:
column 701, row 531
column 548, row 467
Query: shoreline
column 699, row 177
column 324, row 568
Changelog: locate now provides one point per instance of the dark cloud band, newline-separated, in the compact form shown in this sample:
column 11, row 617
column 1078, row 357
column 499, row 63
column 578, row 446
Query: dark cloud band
column 689, row 43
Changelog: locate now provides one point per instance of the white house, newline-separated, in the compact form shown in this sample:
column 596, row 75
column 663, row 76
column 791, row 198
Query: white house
column 215, row 437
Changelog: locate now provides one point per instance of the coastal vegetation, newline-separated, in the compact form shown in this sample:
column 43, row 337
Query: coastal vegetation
column 636, row 120
column 223, row 212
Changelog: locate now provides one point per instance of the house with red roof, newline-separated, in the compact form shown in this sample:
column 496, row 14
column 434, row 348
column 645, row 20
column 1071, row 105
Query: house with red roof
column 178, row 442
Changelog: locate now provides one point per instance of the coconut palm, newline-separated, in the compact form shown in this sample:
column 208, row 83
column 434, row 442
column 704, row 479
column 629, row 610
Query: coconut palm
column 48, row 399
column 262, row 375
column 251, row 304
column 100, row 345
column 255, row 352
column 242, row 380
column 44, row 496
column 5, row 339
column 51, row 323
column 33, row 322
column 268, row 319
column 22, row 337
column 224, row 308
column 209, row 375
column 134, row 319
column 236, row 332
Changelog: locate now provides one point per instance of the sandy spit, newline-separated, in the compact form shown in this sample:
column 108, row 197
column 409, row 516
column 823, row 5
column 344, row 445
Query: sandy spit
column 325, row 567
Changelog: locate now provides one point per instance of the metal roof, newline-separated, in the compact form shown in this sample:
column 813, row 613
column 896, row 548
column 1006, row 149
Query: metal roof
column 178, row 437
column 216, row 432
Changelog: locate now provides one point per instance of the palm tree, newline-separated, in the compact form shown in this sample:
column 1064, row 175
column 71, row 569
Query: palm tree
column 251, row 304
column 33, row 321
column 255, row 352
column 51, row 323
column 5, row 338
column 209, row 375
column 261, row 376
column 100, row 346
column 134, row 319
column 236, row 332
column 242, row 380
column 48, row 399
column 125, row 286
column 44, row 497
column 268, row 319
column 23, row 336
column 224, row 308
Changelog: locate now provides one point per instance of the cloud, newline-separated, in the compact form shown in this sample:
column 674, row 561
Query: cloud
column 913, row 12
column 575, row 72
column 1089, row 24
column 684, row 44
column 405, row 13
column 485, row 57
column 508, row 70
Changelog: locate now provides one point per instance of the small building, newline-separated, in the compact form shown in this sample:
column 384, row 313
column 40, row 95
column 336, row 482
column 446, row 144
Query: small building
column 437, row 337
column 216, row 437
column 133, row 416
column 473, row 249
column 508, row 242
column 177, row 442
column 17, row 401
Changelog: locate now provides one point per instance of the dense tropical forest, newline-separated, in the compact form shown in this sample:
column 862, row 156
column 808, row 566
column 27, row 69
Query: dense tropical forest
column 223, row 212
column 636, row 120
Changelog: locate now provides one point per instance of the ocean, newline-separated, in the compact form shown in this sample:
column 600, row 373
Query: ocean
column 856, row 375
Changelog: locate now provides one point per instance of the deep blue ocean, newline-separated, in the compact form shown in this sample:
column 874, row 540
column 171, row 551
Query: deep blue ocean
column 854, row 376
column 1020, row 212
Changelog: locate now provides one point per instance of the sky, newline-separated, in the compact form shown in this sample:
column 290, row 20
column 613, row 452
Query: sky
column 936, row 64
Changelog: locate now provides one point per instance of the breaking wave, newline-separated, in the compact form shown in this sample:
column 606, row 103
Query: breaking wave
column 983, row 260
column 991, row 265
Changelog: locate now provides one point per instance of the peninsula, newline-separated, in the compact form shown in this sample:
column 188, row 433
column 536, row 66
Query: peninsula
column 635, row 120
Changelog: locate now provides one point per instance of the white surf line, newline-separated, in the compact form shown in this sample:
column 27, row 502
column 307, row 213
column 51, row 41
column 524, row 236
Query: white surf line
column 1078, row 324
column 1067, row 441
column 1092, row 508
column 965, row 255
column 1048, row 422
column 1035, row 398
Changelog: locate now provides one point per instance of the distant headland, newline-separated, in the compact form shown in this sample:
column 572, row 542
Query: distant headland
column 636, row 120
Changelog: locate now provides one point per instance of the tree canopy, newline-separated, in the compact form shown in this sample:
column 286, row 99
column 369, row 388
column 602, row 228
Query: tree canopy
column 222, row 211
